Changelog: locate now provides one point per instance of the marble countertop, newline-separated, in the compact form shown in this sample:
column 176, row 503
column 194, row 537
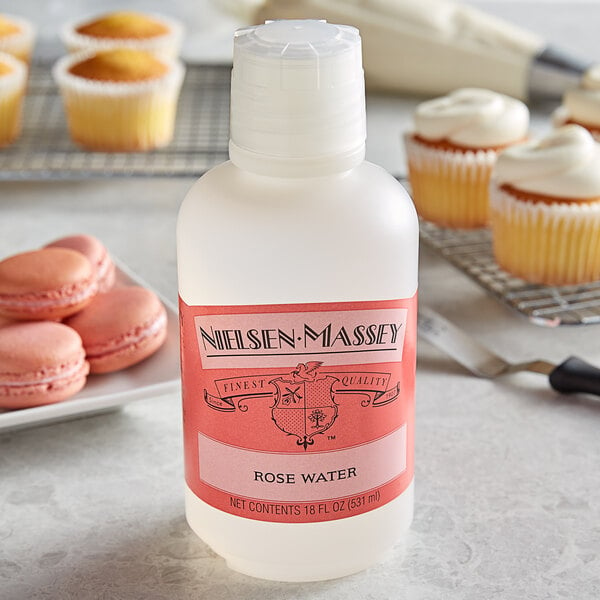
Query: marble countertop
column 507, row 479
column 507, row 471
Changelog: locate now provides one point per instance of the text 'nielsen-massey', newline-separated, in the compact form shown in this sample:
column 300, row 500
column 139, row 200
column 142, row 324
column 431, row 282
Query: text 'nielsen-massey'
column 307, row 337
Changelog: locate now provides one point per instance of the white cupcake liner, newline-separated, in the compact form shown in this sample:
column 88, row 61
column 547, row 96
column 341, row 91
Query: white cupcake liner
column 12, row 91
column 460, row 164
column 19, row 44
column 165, row 46
column 450, row 188
column 67, row 82
column 117, row 104
column 553, row 243
column 535, row 212
column 16, row 80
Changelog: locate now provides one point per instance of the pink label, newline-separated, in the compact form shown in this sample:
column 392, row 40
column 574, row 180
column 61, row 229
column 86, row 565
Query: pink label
column 299, row 413
column 278, row 339
column 303, row 477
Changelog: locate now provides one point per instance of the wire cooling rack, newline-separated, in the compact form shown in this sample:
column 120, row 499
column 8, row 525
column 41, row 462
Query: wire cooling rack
column 471, row 252
column 45, row 151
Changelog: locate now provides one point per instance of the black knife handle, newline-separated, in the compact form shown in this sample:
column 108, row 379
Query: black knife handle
column 575, row 375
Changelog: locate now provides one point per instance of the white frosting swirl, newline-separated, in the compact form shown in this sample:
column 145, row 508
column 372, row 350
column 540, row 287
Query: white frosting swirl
column 565, row 164
column 473, row 117
column 582, row 104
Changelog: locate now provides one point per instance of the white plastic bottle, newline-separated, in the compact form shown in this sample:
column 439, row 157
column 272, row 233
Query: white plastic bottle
column 297, row 269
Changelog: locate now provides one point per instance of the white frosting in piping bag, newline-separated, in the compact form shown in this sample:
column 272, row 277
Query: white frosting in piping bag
column 425, row 46
column 565, row 164
column 473, row 117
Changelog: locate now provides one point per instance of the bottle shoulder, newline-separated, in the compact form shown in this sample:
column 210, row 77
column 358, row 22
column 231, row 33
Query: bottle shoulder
column 364, row 188
column 228, row 173
column 349, row 237
column 352, row 208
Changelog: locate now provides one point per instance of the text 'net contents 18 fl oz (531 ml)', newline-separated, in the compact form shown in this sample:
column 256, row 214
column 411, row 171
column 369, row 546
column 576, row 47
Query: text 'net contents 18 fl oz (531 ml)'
column 297, row 264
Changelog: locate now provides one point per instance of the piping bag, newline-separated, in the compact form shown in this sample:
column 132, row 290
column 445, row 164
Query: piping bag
column 430, row 47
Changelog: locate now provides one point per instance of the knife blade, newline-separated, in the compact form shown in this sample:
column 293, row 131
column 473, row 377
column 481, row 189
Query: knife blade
column 570, row 376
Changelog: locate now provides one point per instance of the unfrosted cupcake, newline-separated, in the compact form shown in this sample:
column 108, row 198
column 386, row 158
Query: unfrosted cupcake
column 581, row 105
column 160, row 35
column 16, row 37
column 452, row 150
column 120, row 100
column 545, row 201
column 13, row 79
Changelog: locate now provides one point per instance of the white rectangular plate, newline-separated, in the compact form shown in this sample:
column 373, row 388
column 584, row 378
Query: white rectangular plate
column 155, row 376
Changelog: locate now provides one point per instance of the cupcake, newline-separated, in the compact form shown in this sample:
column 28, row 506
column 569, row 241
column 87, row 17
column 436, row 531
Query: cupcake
column 119, row 100
column 16, row 37
column 452, row 150
column 157, row 34
column 545, row 208
column 581, row 105
column 13, row 79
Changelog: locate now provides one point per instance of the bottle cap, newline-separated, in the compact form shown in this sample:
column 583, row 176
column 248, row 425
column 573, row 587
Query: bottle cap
column 297, row 98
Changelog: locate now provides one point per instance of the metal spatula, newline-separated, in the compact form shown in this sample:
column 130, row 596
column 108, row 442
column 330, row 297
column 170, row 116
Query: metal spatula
column 572, row 375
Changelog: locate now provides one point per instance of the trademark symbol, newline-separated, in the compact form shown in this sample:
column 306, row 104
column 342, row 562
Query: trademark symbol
column 331, row 437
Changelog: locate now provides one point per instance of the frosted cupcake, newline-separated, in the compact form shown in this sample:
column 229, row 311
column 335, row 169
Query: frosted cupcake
column 13, row 79
column 581, row 105
column 159, row 35
column 16, row 37
column 545, row 201
column 119, row 100
column 452, row 150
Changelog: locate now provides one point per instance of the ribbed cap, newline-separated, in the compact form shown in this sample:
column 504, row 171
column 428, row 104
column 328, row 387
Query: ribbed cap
column 297, row 97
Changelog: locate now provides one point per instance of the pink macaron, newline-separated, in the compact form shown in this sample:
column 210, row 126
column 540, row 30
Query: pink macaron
column 94, row 250
column 41, row 362
column 51, row 283
column 120, row 328
column 5, row 321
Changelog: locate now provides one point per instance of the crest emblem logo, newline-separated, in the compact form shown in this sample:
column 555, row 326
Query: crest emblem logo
column 304, row 403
